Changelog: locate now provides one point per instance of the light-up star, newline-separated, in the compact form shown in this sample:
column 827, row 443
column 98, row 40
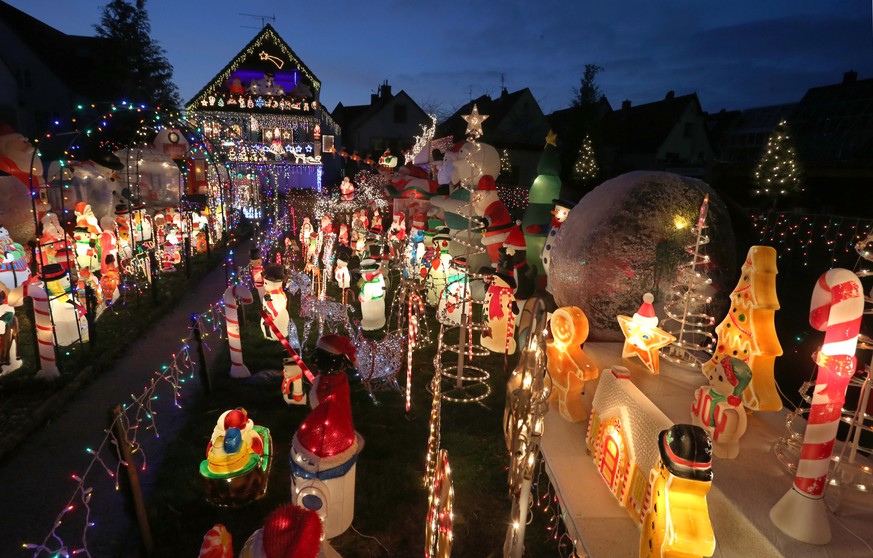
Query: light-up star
column 474, row 122
column 643, row 341
column 552, row 138
column 263, row 55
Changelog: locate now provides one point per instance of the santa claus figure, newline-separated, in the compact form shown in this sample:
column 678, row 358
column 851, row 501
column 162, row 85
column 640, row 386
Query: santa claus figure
column 347, row 190
column 305, row 230
column 397, row 230
column 20, row 170
column 55, row 246
column 343, row 237
column 376, row 224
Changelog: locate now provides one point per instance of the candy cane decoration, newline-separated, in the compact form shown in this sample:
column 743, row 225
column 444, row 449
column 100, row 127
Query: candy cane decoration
column 268, row 319
column 48, row 367
column 238, row 369
column 836, row 308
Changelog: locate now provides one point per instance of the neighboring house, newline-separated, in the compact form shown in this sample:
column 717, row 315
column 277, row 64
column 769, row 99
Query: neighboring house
column 390, row 121
column 264, row 109
column 668, row 135
column 51, row 72
column 515, row 124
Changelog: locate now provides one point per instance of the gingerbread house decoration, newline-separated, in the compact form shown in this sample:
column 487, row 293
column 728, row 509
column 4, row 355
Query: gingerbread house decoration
column 622, row 438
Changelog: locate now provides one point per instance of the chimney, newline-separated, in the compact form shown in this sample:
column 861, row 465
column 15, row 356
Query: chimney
column 374, row 98
column 670, row 95
column 850, row 77
column 626, row 104
column 385, row 90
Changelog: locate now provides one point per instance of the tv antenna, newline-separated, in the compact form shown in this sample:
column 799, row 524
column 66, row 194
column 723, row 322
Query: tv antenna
column 263, row 19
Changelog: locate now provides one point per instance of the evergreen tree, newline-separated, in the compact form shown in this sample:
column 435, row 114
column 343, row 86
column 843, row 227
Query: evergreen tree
column 589, row 92
column 585, row 169
column 778, row 175
column 135, row 66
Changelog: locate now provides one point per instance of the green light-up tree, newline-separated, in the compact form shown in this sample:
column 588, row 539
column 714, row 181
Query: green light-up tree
column 778, row 175
column 585, row 168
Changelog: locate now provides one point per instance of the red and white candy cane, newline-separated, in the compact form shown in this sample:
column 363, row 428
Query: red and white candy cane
column 48, row 367
column 836, row 308
column 238, row 369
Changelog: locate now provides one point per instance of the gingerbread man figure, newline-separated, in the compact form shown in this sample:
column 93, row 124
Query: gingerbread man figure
column 718, row 407
column 568, row 365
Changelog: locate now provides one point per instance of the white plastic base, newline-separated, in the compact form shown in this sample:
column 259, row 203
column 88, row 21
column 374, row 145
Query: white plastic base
column 802, row 518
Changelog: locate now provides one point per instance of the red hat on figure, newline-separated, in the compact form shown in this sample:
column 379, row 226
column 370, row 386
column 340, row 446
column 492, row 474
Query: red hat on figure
column 515, row 239
column 486, row 183
column 292, row 532
column 418, row 221
column 338, row 345
column 646, row 314
column 326, row 438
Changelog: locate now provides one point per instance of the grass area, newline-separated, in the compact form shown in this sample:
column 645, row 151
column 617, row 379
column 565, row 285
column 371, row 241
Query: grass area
column 390, row 499
column 21, row 392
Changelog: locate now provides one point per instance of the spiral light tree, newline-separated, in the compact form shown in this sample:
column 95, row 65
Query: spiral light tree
column 686, row 306
column 836, row 308
column 464, row 382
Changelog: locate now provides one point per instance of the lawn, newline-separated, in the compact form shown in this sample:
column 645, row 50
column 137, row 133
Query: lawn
column 390, row 499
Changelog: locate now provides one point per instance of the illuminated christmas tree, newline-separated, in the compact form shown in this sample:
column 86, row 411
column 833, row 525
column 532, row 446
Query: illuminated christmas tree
column 778, row 176
column 505, row 164
column 585, row 168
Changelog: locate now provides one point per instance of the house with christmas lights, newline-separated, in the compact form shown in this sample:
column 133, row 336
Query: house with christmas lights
column 390, row 121
column 263, row 108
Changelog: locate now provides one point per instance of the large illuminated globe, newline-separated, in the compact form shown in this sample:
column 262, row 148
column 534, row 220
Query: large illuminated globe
column 628, row 236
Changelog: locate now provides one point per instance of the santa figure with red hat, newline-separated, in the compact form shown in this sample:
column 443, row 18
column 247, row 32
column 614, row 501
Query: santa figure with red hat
column 347, row 190
column 396, row 232
column 324, row 453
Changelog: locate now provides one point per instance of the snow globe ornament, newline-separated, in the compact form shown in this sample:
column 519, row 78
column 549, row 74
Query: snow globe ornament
column 324, row 453
column 275, row 300
column 372, row 295
column 568, row 364
column 626, row 235
column 238, row 459
column 718, row 407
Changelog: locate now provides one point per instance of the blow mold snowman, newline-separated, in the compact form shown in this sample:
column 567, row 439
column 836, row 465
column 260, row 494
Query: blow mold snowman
column 275, row 300
column 324, row 453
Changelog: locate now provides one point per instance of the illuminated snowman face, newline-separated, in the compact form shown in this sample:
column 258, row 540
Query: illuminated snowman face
column 560, row 212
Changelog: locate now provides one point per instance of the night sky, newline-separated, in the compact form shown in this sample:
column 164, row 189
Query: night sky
column 734, row 55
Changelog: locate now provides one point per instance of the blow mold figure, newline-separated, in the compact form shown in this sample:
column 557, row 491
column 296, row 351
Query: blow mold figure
column 275, row 300
column 718, row 407
column 677, row 521
column 568, row 364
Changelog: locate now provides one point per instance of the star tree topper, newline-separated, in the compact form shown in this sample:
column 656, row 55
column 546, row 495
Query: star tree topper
column 474, row 122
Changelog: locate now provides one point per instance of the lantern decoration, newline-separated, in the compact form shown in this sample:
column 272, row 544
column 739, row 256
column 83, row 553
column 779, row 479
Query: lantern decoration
column 47, row 361
column 677, row 521
column 527, row 395
column 217, row 543
column 836, row 308
column 372, row 295
column 438, row 524
column 288, row 531
column 748, row 331
column 235, row 293
column 643, row 337
column 275, row 300
column 718, row 407
column 324, row 454
column 238, row 459
column 568, row 365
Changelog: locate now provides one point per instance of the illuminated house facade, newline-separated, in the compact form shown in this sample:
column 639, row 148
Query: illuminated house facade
column 263, row 108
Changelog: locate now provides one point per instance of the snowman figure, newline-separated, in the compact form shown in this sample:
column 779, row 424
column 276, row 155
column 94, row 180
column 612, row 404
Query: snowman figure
column 275, row 300
column 341, row 274
column 13, row 261
column 65, row 308
column 324, row 453
column 372, row 295
column 559, row 215
column 501, row 307
column 453, row 297
column 718, row 407
column 439, row 267
column 292, row 382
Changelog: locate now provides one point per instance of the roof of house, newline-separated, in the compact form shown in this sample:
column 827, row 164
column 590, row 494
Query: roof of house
column 643, row 128
column 353, row 117
column 68, row 56
column 496, row 110
column 254, row 56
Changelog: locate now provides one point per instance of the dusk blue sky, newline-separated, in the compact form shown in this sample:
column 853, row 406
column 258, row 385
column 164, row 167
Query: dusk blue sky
column 734, row 55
